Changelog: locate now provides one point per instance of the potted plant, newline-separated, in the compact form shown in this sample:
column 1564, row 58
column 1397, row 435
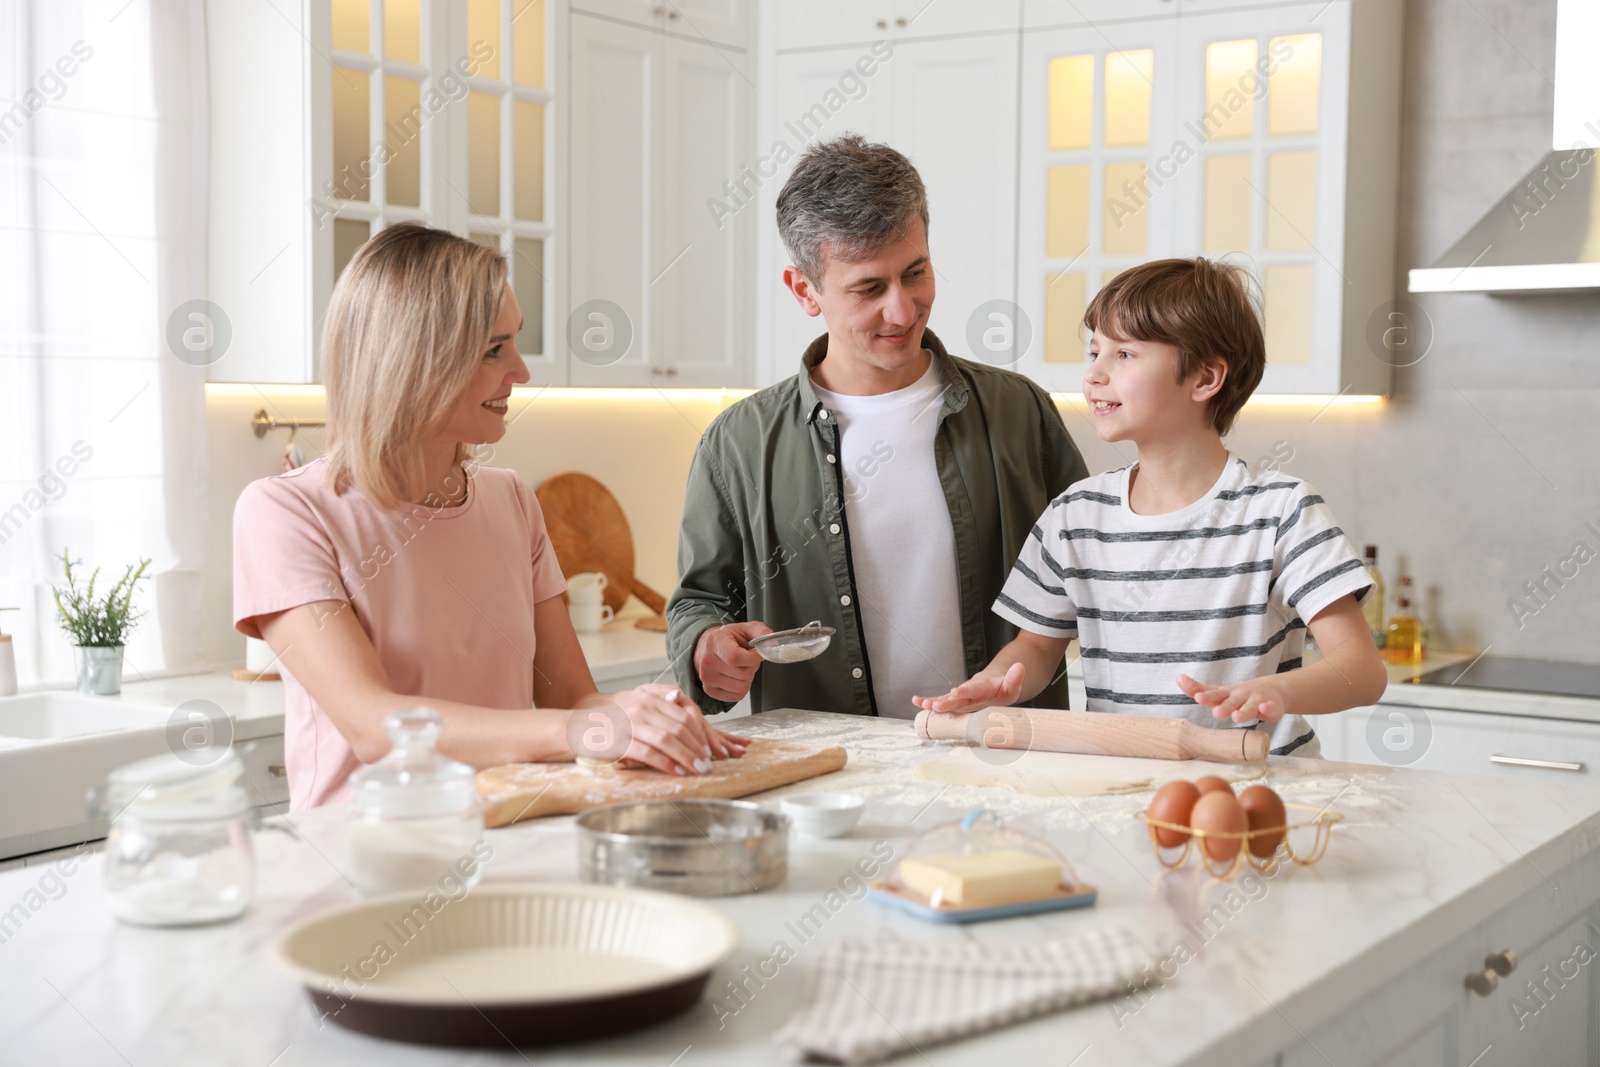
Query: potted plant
column 99, row 627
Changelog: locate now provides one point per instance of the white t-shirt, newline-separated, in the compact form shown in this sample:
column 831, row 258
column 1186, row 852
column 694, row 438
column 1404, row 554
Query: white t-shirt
column 902, row 545
column 1220, row 590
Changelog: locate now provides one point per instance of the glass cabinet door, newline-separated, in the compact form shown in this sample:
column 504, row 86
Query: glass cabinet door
column 1267, row 189
column 436, row 112
column 1097, row 179
column 375, row 128
column 499, row 177
column 379, row 128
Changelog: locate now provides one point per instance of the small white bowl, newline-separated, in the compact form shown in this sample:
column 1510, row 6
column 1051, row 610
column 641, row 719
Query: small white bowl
column 824, row 814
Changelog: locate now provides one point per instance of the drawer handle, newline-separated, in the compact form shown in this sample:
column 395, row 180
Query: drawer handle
column 1547, row 764
column 1501, row 963
column 277, row 770
column 1482, row 982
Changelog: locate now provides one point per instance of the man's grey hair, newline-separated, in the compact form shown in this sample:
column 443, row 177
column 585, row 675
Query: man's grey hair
column 847, row 198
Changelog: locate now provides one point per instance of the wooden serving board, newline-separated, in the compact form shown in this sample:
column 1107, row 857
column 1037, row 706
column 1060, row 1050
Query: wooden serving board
column 518, row 791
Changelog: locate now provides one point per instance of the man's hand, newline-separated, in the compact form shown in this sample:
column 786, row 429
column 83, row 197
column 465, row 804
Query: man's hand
column 724, row 660
column 1259, row 698
column 983, row 690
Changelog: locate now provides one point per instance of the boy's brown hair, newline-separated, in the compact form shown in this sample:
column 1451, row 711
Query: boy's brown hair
column 1199, row 306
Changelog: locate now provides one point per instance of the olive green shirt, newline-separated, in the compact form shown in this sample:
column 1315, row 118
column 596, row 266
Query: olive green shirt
column 766, row 492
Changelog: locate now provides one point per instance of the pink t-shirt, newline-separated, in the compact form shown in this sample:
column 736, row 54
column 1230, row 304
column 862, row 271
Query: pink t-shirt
column 445, row 595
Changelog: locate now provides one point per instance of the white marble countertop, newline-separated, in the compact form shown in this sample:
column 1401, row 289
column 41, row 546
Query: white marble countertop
column 622, row 650
column 1415, row 864
column 1404, row 689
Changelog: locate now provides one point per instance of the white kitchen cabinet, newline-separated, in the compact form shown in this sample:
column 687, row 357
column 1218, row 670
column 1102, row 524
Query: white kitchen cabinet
column 1137, row 143
column 1539, row 1013
column 1465, row 742
column 814, row 97
column 659, row 259
column 332, row 119
column 970, row 85
column 725, row 22
column 830, row 23
column 1110, row 14
column 266, row 777
column 1107, row 14
column 917, row 93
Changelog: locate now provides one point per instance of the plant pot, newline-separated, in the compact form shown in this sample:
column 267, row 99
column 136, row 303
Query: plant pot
column 99, row 669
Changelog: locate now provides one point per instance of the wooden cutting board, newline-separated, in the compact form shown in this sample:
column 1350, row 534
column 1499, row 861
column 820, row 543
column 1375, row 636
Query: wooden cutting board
column 519, row 791
column 588, row 531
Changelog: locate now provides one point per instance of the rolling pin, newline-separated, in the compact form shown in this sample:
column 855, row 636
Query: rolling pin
column 1094, row 734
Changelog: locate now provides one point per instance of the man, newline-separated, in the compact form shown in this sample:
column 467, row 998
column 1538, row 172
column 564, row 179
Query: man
column 885, row 489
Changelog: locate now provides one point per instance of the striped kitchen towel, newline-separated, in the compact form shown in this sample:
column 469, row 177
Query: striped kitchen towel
column 868, row 1001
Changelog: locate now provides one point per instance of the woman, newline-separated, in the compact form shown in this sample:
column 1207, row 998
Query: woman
column 394, row 571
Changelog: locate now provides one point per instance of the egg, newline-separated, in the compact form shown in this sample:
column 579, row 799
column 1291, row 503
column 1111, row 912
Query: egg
column 1172, row 803
column 1265, row 810
column 1219, row 812
column 1210, row 783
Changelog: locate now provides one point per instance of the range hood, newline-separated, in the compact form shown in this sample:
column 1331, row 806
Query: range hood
column 1544, row 235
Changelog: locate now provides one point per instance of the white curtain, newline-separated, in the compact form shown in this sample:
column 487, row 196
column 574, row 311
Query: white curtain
column 102, row 237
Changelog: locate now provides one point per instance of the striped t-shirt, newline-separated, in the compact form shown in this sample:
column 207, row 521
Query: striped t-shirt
column 1220, row 590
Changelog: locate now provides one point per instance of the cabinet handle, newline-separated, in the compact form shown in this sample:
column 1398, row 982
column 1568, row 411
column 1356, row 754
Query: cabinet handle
column 900, row 22
column 672, row 15
column 1482, row 982
column 883, row 24
column 1547, row 764
column 671, row 372
column 1501, row 963
column 277, row 770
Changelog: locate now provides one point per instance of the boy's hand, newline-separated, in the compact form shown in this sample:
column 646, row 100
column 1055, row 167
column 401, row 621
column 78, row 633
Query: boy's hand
column 1259, row 698
column 979, row 691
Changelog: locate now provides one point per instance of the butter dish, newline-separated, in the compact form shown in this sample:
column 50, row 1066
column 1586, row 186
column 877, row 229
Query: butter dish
column 976, row 869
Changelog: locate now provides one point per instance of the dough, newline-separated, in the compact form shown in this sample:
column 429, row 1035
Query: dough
column 1050, row 774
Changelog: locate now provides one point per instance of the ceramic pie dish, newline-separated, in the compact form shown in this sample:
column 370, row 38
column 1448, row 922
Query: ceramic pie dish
column 524, row 964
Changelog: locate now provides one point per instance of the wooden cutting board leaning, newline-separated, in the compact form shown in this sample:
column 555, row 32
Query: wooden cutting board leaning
column 519, row 791
column 589, row 532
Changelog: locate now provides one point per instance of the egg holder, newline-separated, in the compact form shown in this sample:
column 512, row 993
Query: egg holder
column 1321, row 822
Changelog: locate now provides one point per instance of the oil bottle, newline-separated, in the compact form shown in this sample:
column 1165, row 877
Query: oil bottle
column 1402, row 641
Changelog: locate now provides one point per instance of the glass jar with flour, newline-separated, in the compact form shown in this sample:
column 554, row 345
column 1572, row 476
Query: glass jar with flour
column 416, row 822
column 179, row 850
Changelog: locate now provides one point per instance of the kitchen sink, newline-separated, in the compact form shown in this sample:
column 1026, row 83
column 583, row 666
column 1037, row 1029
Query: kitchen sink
column 51, row 715
column 54, row 747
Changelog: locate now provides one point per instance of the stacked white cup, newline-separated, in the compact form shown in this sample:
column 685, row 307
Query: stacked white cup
column 586, row 602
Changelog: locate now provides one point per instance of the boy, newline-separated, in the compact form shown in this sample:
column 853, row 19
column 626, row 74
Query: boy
column 1188, row 578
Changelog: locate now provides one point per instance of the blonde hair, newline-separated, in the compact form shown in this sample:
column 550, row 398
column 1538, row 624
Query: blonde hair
column 406, row 329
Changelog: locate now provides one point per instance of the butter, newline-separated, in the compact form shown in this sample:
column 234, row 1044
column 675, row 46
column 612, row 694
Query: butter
column 1001, row 876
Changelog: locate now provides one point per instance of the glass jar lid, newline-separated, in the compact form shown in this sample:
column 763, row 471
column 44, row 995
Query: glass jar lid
column 414, row 780
column 166, row 787
column 978, row 832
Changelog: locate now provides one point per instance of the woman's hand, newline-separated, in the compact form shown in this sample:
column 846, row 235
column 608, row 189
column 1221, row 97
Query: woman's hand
column 668, row 732
column 983, row 690
column 1259, row 698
